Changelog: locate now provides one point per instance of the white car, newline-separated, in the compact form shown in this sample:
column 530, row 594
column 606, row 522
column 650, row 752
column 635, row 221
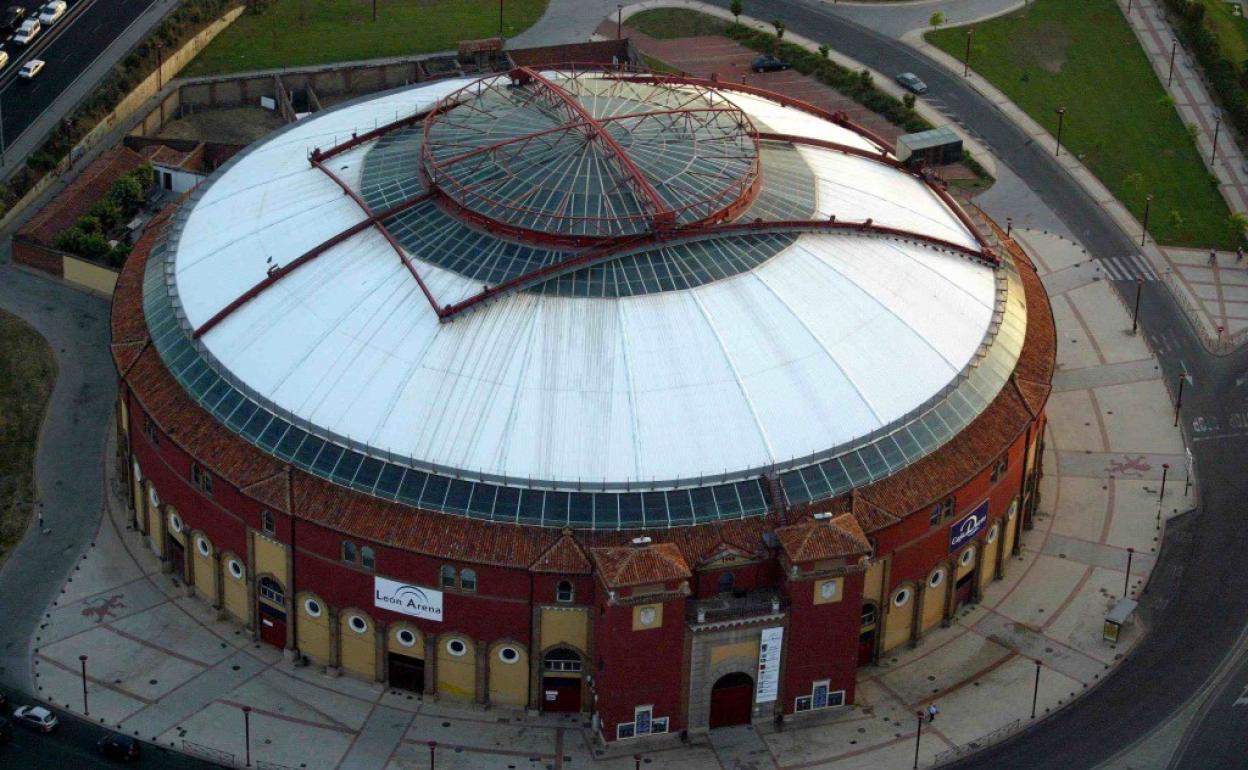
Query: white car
column 36, row 718
column 27, row 31
column 4, row 59
column 52, row 12
column 31, row 68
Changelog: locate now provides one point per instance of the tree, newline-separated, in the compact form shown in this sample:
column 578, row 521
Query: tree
column 127, row 194
column 824, row 49
column 779, row 25
column 1238, row 225
column 736, row 7
column 937, row 19
column 908, row 100
column 107, row 214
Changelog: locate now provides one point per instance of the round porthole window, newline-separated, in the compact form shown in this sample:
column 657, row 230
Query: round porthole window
column 456, row 647
column 992, row 534
column 313, row 608
column 647, row 616
column 152, row 497
column 967, row 557
column 405, row 637
column 175, row 522
column 138, row 475
column 936, row 578
column 358, row 624
column 508, row 654
column 901, row 597
column 202, row 546
column 236, row 569
column 1009, row 515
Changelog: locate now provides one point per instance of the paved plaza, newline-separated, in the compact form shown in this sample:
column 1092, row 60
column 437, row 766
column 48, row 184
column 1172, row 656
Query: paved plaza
column 162, row 666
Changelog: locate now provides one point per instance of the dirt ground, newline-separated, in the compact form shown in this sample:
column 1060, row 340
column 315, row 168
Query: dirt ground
column 27, row 373
column 235, row 125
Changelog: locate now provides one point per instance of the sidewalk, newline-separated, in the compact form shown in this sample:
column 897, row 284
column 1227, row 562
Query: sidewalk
column 163, row 667
column 1220, row 292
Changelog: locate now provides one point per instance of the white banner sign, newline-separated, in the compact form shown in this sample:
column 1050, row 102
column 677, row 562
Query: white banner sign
column 769, row 665
column 408, row 599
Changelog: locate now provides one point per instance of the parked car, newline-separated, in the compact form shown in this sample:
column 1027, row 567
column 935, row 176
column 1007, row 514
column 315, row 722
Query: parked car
column 36, row 718
column 12, row 17
column 119, row 747
column 769, row 64
column 6, row 730
column 32, row 68
column 52, row 12
column 912, row 82
column 4, row 62
column 27, row 31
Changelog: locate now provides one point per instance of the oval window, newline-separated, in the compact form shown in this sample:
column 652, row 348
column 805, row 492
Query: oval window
column 456, row 647
column 901, row 597
column 175, row 522
column 202, row 546
column 967, row 557
column 508, row 654
column 1009, row 515
column 405, row 637
column 936, row 578
column 312, row 607
column 358, row 624
column 152, row 497
column 236, row 569
column 992, row 534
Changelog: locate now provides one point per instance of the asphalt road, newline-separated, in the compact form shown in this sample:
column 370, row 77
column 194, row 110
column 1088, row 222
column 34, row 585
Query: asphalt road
column 68, row 47
column 1195, row 606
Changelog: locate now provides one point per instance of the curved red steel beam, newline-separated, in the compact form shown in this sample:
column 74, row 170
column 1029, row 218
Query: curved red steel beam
column 281, row 272
column 614, row 249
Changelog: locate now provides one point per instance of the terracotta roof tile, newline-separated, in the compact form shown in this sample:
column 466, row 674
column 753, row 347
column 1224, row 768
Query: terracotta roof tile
column 638, row 565
column 564, row 557
column 78, row 197
column 821, row 539
column 273, row 492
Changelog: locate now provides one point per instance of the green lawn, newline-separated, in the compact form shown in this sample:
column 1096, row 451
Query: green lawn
column 670, row 23
column 1229, row 28
column 27, row 371
column 298, row 32
column 1080, row 54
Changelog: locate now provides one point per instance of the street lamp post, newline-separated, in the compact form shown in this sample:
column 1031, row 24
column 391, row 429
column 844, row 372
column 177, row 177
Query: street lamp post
column 1217, row 127
column 500, row 18
column 1126, row 583
column 1174, row 48
column 82, row 659
column 1009, row 226
column 918, row 733
column 433, row 751
column 247, row 733
column 374, row 10
column 1135, row 316
column 1178, row 402
column 1165, row 470
column 636, row 762
column 966, row 60
column 1035, row 692
column 1148, row 205
column 619, row 20
column 1061, row 118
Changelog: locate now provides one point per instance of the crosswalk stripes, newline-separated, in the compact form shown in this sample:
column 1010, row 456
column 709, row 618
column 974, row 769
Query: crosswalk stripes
column 1128, row 268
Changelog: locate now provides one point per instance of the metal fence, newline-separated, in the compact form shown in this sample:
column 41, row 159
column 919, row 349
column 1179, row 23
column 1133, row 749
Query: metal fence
column 1219, row 344
column 982, row 742
column 207, row 752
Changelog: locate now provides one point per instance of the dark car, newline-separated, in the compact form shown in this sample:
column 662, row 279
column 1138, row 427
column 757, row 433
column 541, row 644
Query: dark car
column 912, row 82
column 12, row 17
column 769, row 64
column 6, row 730
column 120, row 747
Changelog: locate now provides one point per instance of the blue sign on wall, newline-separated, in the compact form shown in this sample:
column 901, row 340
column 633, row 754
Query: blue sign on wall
column 968, row 527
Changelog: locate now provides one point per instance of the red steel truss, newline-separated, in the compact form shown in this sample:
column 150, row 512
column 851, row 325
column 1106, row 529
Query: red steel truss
column 662, row 216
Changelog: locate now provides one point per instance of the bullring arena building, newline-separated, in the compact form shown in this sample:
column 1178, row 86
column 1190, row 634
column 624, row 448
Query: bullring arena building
column 667, row 402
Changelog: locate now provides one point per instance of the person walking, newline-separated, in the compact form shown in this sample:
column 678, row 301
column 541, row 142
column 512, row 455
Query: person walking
column 1213, row 256
column 1239, row 254
column 932, row 711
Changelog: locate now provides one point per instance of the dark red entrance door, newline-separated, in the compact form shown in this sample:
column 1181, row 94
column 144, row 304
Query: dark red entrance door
column 963, row 594
column 731, row 698
column 866, row 647
column 560, row 694
column 272, row 625
column 177, row 556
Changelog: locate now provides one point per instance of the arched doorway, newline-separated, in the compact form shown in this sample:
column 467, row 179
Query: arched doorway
column 271, row 612
column 561, row 680
column 732, row 696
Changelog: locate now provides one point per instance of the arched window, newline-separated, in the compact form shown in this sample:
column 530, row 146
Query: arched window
column 367, row 559
column 348, row 551
column 271, row 590
column 447, row 576
column 468, row 580
column 725, row 582
column 562, row 659
column 564, row 591
column 268, row 523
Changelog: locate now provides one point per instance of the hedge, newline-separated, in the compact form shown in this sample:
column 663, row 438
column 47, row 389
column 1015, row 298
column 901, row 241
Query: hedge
column 1223, row 75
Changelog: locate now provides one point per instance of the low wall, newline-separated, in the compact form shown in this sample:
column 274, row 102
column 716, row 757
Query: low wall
column 75, row 270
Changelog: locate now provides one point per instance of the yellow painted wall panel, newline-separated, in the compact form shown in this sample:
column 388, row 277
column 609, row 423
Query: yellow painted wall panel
column 739, row 650
column 89, row 276
column 509, row 682
column 205, row 577
column 457, row 674
column 314, row 634
column 564, row 626
column 897, row 624
column 359, row 651
column 270, row 557
column 873, row 583
column 934, row 603
column 236, row 599
column 989, row 569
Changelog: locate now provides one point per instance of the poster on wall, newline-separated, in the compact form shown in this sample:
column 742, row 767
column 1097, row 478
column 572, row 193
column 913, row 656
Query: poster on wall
column 417, row 601
column 967, row 527
column 769, row 665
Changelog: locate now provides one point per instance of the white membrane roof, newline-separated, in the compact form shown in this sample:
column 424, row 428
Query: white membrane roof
column 834, row 337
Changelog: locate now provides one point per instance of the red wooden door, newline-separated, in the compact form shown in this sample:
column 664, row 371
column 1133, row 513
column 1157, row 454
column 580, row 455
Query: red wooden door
column 731, row 698
column 866, row 647
column 272, row 626
column 964, row 589
column 560, row 694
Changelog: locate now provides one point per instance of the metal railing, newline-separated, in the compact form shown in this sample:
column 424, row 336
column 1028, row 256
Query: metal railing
column 982, row 742
column 207, row 752
column 1218, row 344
